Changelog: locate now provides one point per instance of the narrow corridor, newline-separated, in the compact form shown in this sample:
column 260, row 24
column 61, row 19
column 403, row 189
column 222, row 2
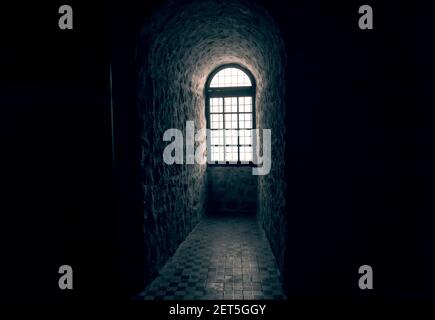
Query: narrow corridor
column 223, row 258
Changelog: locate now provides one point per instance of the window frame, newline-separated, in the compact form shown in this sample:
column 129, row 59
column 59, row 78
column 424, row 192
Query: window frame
column 223, row 92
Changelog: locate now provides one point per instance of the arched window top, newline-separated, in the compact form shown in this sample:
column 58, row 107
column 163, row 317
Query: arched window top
column 230, row 77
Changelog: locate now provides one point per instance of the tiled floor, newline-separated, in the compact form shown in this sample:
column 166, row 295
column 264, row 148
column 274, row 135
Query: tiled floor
column 223, row 258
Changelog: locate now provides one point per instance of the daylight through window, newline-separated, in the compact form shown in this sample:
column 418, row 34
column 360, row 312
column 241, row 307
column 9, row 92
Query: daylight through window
column 230, row 103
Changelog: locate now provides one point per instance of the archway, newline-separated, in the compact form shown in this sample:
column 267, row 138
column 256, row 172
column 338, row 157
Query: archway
column 177, row 51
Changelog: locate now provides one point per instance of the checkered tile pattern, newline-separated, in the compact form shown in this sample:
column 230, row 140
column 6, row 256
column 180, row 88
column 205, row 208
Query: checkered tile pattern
column 222, row 258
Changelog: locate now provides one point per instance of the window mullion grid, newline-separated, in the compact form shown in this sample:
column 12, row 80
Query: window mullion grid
column 223, row 128
column 237, row 131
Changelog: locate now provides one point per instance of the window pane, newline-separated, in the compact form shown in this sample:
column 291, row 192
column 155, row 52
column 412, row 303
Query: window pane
column 231, row 104
column 245, row 120
column 245, row 104
column 216, row 121
column 217, row 153
column 231, row 137
column 231, row 153
column 216, row 137
column 242, row 124
column 245, row 137
column 216, row 105
column 241, row 104
column 245, row 153
column 230, row 121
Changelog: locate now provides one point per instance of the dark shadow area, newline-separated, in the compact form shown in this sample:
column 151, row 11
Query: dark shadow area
column 352, row 180
column 55, row 166
column 358, row 146
column 232, row 190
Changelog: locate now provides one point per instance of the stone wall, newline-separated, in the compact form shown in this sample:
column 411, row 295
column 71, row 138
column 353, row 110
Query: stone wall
column 174, row 195
column 177, row 50
column 231, row 190
column 271, row 187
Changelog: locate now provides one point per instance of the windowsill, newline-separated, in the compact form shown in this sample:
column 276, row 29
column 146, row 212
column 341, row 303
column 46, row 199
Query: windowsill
column 232, row 164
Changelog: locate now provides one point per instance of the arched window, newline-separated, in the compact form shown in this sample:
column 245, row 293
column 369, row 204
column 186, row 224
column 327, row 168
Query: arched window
column 230, row 106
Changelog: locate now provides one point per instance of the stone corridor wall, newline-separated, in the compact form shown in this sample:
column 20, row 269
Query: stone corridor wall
column 174, row 195
column 177, row 50
column 231, row 190
column 271, row 187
